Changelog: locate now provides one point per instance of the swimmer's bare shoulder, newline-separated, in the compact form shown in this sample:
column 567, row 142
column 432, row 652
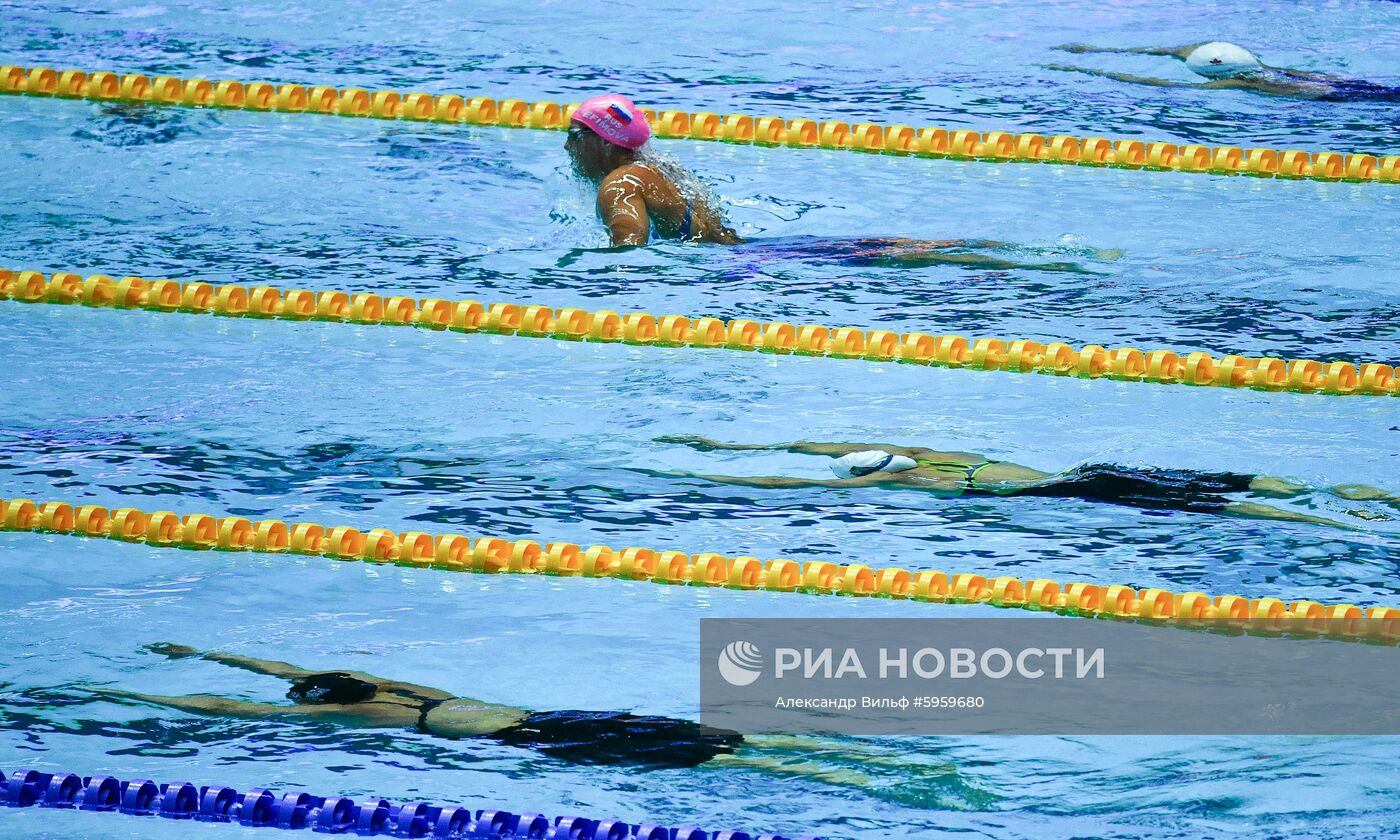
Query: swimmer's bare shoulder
column 644, row 182
column 633, row 175
column 623, row 205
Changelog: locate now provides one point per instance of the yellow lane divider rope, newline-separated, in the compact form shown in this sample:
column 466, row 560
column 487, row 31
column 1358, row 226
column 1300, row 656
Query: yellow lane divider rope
column 732, row 128
column 639, row 328
column 456, row 552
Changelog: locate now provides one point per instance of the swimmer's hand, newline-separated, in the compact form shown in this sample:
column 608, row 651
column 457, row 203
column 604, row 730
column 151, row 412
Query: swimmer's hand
column 1068, row 68
column 1075, row 48
column 171, row 650
column 699, row 442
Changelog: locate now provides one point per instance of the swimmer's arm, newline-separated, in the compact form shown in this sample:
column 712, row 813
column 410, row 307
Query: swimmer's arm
column 801, row 447
column 1121, row 77
column 269, row 667
column 780, row 482
column 204, row 704
column 407, row 689
column 1174, row 52
column 623, row 209
column 836, row 450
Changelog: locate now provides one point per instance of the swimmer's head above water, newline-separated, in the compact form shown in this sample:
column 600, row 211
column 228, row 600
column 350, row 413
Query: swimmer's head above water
column 604, row 133
column 1222, row 60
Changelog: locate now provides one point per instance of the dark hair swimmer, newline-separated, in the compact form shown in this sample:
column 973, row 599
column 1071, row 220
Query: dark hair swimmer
column 1230, row 66
column 957, row 473
column 647, row 742
column 642, row 197
column 353, row 698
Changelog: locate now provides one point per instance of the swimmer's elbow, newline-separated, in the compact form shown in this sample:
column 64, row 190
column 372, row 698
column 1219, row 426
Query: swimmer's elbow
column 628, row 223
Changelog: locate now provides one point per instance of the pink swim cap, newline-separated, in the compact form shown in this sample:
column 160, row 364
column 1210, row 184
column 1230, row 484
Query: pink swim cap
column 616, row 119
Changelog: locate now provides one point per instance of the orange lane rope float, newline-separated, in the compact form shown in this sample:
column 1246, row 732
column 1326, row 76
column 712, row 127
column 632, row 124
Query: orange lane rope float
column 639, row 328
column 456, row 552
column 733, row 128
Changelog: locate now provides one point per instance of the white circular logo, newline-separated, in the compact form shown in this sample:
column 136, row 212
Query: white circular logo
column 740, row 663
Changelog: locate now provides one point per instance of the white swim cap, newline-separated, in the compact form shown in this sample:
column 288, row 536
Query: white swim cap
column 870, row 461
column 1221, row 60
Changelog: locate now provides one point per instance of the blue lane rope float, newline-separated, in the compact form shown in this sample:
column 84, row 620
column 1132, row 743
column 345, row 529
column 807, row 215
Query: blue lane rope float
column 953, row 144
column 1010, row 355
column 258, row 808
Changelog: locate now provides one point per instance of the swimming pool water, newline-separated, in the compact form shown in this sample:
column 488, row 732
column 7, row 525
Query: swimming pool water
column 505, row 436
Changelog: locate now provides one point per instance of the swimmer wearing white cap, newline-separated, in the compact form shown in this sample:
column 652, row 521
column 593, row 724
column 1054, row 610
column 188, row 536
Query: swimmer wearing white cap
column 1230, row 66
column 957, row 473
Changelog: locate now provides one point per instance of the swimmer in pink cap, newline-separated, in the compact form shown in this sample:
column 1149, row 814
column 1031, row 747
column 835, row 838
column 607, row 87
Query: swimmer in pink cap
column 641, row 197
column 637, row 196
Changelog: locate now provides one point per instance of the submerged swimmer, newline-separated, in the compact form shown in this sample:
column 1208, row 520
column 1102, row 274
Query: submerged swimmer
column 1231, row 66
column 641, row 197
column 357, row 699
column 352, row 698
column 956, row 473
column 901, row 252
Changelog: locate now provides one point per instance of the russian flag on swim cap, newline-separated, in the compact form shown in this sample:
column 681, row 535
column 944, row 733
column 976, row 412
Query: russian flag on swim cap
column 616, row 119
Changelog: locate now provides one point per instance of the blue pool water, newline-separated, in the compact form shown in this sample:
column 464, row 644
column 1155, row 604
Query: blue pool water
column 409, row 429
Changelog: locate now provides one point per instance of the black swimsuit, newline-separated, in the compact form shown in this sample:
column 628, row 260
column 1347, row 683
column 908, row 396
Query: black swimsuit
column 1359, row 90
column 1147, row 488
column 618, row 738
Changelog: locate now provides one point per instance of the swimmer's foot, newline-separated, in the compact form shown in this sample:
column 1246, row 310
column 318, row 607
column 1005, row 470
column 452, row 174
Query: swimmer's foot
column 661, row 473
column 1108, row 254
column 1250, row 510
column 1370, row 515
column 828, row 774
column 1075, row 48
column 1072, row 268
column 1067, row 68
column 699, row 442
column 1365, row 493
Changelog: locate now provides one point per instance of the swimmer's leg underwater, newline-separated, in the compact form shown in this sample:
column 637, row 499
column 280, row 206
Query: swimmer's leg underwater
column 965, row 253
column 867, row 769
